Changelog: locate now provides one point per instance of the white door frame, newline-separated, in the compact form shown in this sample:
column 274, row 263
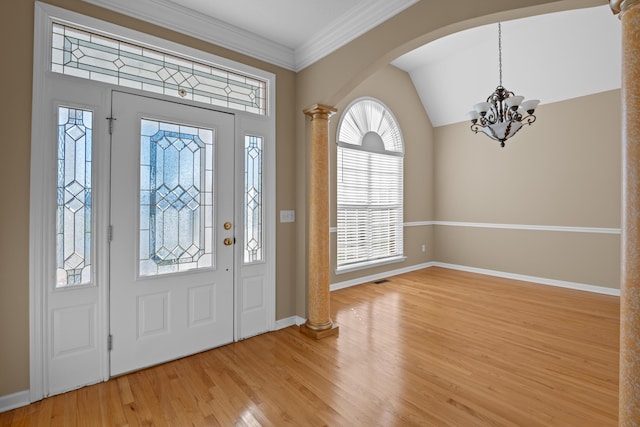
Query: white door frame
column 42, row 190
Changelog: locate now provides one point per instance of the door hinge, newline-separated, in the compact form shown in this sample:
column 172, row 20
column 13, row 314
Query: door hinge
column 111, row 120
column 110, row 233
column 109, row 342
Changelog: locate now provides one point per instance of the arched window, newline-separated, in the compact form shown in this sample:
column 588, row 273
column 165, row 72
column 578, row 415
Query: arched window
column 369, row 181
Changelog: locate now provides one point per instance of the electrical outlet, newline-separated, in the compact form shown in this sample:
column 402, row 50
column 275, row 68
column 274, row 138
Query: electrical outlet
column 424, row 248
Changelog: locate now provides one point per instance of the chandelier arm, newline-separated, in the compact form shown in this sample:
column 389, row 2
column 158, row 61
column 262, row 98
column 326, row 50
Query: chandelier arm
column 514, row 115
column 527, row 120
column 490, row 118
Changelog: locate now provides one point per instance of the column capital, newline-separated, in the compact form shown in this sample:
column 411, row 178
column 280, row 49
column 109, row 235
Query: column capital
column 621, row 6
column 319, row 111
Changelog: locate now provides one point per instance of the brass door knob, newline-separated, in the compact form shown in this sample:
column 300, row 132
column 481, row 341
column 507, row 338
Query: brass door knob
column 228, row 241
column 227, row 225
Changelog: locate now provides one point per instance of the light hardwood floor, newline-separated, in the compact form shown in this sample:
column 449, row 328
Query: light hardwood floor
column 434, row 347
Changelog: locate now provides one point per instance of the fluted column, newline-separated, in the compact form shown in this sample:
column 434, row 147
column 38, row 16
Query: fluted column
column 629, row 403
column 319, row 324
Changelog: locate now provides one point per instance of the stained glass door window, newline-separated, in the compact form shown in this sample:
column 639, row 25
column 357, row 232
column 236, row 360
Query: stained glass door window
column 176, row 197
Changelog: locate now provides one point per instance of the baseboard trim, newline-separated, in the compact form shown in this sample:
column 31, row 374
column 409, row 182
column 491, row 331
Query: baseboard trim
column 532, row 279
column 371, row 278
column 14, row 400
column 289, row 321
column 503, row 274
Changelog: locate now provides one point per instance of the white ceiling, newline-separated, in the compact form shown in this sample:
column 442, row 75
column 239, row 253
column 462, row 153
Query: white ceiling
column 290, row 23
column 548, row 57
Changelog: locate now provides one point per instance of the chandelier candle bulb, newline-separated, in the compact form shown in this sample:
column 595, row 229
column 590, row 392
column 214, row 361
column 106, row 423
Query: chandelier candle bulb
column 530, row 105
column 482, row 108
column 513, row 102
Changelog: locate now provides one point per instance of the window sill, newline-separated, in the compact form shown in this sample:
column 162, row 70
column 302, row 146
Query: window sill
column 369, row 264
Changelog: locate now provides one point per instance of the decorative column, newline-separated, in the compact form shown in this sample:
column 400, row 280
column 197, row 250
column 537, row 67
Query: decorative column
column 629, row 394
column 319, row 324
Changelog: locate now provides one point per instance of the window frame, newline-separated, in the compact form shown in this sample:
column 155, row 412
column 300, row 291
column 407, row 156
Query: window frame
column 397, row 151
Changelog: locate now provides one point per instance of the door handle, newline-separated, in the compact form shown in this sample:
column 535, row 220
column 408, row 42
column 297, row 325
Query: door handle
column 228, row 241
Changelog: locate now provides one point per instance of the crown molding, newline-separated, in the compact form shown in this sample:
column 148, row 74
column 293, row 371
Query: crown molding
column 186, row 21
column 351, row 25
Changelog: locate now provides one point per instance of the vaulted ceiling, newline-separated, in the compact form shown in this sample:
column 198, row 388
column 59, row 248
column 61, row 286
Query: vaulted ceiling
column 550, row 57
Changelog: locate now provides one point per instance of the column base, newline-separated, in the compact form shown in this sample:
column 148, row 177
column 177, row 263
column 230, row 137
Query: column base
column 318, row 334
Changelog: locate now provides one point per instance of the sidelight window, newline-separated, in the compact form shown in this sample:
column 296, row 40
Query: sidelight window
column 73, row 219
column 253, row 195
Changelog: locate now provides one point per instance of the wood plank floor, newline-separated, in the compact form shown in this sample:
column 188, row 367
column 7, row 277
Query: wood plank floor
column 434, row 347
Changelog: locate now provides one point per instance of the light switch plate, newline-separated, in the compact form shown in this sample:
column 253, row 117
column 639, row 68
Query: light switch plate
column 287, row 216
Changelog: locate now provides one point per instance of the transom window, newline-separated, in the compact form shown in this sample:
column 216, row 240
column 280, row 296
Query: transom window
column 370, row 186
column 92, row 56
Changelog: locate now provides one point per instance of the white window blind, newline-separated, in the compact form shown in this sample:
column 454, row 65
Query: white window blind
column 369, row 190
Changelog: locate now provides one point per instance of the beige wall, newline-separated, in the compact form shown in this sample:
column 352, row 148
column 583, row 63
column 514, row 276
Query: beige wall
column 394, row 88
column 564, row 170
column 589, row 259
column 14, row 214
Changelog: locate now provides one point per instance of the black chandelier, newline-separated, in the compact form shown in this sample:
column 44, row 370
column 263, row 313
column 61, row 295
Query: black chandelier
column 504, row 113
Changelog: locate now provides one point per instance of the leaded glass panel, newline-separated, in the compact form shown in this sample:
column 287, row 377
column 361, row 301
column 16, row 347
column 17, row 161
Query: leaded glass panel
column 73, row 219
column 83, row 54
column 176, row 197
column 253, row 192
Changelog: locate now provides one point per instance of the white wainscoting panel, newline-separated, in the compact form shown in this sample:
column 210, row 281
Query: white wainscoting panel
column 78, row 324
column 153, row 314
column 202, row 305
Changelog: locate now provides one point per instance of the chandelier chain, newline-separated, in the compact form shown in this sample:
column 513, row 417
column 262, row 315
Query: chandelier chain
column 500, row 51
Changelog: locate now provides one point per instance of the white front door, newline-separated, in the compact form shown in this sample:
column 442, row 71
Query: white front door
column 171, row 253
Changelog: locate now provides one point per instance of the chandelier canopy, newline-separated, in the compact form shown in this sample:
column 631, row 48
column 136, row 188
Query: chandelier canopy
column 504, row 113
